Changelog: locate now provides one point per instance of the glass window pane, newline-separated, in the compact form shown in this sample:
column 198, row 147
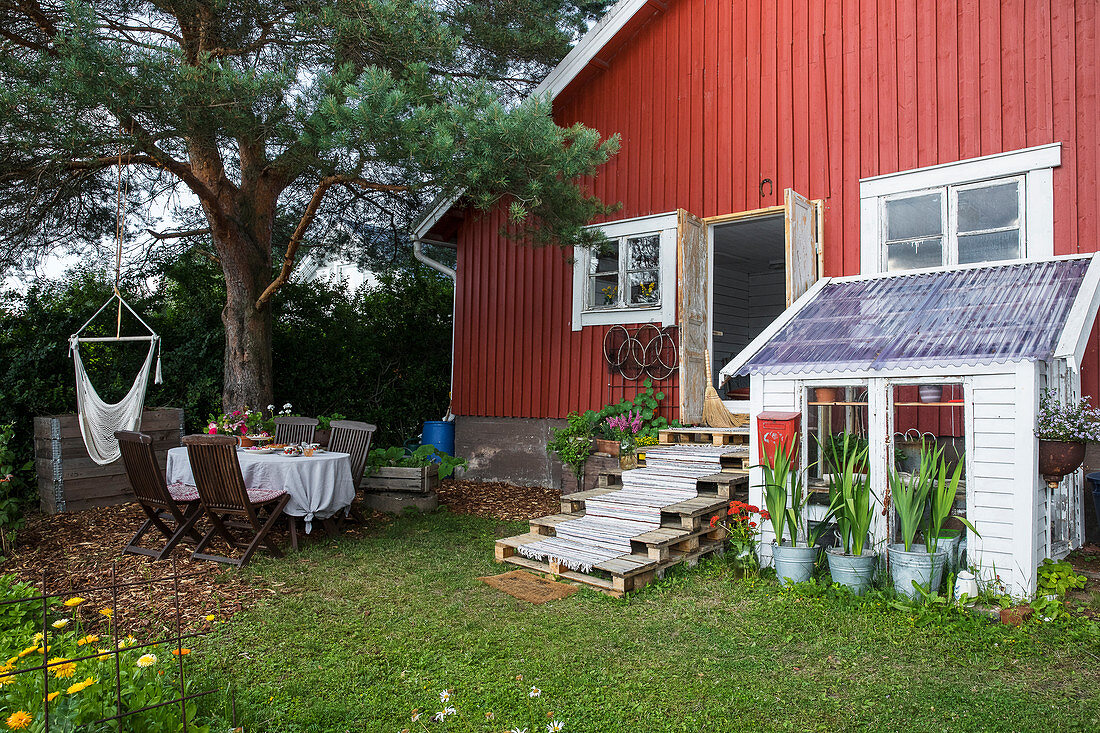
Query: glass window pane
column 645, row 252
column 989, row 247
column 645, row 288
column 604, row 257
column 603, row 291
column 916, row 254
column 989, row 207
column 916, row 217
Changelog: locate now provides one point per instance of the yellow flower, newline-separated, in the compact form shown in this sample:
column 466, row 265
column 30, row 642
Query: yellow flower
column 62, row 667
column 6, row 679
column 18, row 720
column 60, row 623
column 9, row 665
column 28, row 650
column 210, row 617
column 74, row 601
column 51, row 696
column 179, row 652
column 80, row 686
column 147, row 660
column 107, row 612
column 103, row 654
column 38, row 637
column 90, row 639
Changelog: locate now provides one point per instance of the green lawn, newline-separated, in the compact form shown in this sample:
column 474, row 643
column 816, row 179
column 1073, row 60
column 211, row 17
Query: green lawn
column 364, row 631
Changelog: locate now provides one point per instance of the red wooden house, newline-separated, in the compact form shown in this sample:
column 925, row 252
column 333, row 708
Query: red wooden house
column 763, row 146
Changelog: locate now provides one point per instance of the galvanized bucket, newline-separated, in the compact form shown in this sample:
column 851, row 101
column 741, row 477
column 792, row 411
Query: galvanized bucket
column 793, row 564
column 853, row 571
column 948, row 540
column 917, row 565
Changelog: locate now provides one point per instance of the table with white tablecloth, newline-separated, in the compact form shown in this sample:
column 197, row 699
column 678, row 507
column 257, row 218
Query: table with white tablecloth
column 319, row 485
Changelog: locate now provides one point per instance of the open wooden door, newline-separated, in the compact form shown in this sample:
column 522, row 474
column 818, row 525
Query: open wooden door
column 693, row 292
column 801, row 230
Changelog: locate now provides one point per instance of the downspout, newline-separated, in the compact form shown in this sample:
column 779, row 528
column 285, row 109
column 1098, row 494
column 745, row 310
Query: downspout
column 418, row 253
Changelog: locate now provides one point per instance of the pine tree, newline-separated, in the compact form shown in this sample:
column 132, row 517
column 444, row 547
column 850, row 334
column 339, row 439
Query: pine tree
column 244, row 121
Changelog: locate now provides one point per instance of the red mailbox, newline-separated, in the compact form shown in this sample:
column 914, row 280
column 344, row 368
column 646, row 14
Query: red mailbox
column 777, row 429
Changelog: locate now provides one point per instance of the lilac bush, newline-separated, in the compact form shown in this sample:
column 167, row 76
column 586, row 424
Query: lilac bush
column 1074, row 423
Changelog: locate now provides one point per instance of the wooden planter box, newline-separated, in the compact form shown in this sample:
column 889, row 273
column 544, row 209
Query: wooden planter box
column 69, row 480
column 423, row 480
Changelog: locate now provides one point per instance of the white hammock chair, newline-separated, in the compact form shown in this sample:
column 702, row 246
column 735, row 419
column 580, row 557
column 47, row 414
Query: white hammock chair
column 99, row 420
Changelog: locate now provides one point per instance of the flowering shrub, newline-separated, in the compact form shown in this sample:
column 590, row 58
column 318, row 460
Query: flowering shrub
column 742, row 532
column 246, row 422
column 539, row 717
column 624, row 428
column 1074, row 423
column 81, row 673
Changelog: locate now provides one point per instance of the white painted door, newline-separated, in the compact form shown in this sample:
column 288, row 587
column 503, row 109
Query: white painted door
column 692, row 287
column 801, row 253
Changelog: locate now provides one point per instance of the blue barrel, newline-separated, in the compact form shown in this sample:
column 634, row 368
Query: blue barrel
column 1094, row 479
column 441, row 434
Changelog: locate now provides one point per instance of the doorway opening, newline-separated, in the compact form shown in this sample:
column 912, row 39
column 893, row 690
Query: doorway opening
column 748, row 289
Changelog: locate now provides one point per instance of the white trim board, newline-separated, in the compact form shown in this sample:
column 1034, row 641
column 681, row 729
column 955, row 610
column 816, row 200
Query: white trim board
column 559, row 78
column 1082, row 315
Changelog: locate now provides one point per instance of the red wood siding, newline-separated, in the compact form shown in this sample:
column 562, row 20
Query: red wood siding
column 710, row 97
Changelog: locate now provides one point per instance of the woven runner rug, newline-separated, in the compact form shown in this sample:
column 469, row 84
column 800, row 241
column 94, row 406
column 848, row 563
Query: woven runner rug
column 612, row 520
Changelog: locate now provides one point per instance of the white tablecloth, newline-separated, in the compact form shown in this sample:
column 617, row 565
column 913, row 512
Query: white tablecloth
column 319, row 485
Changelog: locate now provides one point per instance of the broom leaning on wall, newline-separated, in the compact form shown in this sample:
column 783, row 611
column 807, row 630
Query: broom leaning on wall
column 715, row 414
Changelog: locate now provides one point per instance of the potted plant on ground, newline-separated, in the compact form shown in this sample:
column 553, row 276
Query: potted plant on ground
column 913, row 564
column 741, row 532
column 850, row 564
column 573, row 444
column 1063, row 430
column 785, row 497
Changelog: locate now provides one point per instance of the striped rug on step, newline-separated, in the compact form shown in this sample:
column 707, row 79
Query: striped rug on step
column 610, row 521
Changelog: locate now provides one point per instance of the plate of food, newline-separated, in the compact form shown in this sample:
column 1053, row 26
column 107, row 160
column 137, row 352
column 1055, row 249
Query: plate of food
column 262, row 450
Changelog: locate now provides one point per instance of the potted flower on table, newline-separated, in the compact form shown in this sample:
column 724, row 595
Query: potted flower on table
column 1063, row 430
column 248, row 426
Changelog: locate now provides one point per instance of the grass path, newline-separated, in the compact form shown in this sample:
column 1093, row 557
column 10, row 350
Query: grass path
column 365, row 631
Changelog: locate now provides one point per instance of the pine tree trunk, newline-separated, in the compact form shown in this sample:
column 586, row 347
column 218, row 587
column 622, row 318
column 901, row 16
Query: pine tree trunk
column 248, row 366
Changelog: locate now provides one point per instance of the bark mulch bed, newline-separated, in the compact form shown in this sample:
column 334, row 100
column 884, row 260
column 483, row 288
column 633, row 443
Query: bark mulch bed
column 79, row 551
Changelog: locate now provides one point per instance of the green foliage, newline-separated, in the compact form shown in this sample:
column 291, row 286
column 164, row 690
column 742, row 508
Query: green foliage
column 910, row 496
column 19, row 620
column 16, row 481
column 941, row 499
column 425, row 455
column 839, row 446
column 780, row 478
column 573, row 443
column 1057, row 578
column 647, row 402
column 324, row 422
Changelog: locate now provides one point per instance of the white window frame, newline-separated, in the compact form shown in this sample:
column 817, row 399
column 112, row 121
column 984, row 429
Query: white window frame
column 664, row 311
column 1034, row 167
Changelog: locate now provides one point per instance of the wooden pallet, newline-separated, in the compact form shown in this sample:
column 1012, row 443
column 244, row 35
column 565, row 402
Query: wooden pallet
column 706, row 436
column 684, row 537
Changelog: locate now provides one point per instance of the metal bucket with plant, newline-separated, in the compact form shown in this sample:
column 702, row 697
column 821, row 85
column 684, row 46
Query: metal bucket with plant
column 914, row 566
column 850, row 501
column 785, row 498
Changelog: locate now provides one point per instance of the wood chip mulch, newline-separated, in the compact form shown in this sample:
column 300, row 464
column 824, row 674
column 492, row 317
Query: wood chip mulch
column 77, row 552
column 498, row 500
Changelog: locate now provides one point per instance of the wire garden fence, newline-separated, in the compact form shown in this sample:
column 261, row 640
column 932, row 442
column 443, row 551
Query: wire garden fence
column 77, row 669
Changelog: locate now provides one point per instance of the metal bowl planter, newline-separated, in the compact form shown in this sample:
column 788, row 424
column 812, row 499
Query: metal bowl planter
column 854, row 572
column 793, row 564
column 1057, row 458
column 917, row 565
column 930, row 392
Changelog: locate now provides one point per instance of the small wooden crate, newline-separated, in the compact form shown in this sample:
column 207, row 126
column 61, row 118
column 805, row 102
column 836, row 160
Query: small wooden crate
column 69, row 480
column 424, row 480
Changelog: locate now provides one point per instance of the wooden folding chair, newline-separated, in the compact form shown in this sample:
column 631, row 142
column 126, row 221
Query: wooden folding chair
column 224, row 497
column 163, row 504
column 353, row 438
column 294, row 429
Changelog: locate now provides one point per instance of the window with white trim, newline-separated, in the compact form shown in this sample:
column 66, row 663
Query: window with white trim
column 630, row 277
column 989, row 209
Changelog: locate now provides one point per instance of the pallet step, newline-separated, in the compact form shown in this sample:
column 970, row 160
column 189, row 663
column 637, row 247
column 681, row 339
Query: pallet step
column 710, row 436
column 571, row 503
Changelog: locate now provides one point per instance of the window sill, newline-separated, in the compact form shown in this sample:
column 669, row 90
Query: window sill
column 618, row 316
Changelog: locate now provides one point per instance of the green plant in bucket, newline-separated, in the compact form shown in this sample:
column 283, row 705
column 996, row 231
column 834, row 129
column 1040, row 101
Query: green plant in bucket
column 785, row 496
column 849, row 491
column 941, row 499
column 910, row 495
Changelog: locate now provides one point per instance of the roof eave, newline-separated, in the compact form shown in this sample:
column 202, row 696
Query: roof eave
column 1082, row 315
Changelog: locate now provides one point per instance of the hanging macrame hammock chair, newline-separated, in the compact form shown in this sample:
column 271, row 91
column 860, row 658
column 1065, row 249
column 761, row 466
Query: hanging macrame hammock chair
column 99, row 419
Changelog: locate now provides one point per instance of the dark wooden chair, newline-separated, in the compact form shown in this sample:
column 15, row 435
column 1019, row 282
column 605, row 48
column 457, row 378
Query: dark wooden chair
column 353, row 438
column 290, row 429
column 163, row 504
column 228, row 503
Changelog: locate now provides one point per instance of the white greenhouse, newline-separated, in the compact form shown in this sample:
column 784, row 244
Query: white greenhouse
column 960, row 355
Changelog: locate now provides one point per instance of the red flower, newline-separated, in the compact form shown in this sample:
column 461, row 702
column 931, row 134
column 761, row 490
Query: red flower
column 730, row 512
column 753, row 509
column 765, row 516
column 714, row 520
column 752, row 524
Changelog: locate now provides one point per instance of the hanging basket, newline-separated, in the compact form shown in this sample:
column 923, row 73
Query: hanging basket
column 1058, row 458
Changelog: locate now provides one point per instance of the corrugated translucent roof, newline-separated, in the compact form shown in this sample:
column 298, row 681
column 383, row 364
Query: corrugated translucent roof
column 972, row 316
